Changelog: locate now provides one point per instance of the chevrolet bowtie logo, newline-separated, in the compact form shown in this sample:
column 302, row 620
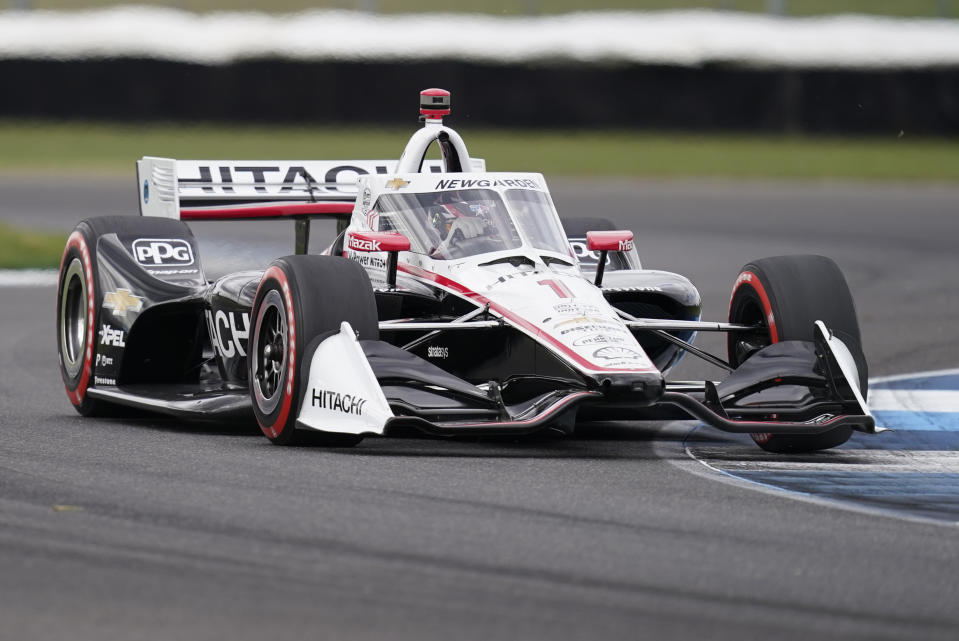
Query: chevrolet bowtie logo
column 397, row 183
column 122, row 301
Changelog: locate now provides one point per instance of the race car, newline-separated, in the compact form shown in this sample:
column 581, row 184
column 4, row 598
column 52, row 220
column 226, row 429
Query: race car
column 453, row 301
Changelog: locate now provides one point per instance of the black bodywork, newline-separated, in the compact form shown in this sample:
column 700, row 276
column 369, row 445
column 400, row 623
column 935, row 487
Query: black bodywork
column 191, row 336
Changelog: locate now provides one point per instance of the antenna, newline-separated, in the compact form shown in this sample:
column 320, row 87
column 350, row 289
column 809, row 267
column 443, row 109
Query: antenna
column 434, row 104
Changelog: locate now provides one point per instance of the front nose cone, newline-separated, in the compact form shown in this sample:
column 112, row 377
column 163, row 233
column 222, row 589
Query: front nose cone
column 643, row 388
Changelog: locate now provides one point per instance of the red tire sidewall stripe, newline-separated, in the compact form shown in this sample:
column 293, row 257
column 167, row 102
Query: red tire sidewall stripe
column 753, row 281
column 276, row 428
column 76, row 240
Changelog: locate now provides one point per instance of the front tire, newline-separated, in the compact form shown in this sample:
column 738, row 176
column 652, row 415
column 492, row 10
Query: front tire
column 783, row 296
column 301, row 299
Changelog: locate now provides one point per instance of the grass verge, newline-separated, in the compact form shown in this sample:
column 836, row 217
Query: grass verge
column 23, row 249
column 110, row 148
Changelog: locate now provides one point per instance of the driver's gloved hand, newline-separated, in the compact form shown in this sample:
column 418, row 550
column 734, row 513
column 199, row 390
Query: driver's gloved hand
column 468, row 227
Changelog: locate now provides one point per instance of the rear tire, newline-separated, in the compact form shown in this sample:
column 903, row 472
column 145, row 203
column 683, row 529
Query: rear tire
column 80, row 301
column 784, row 296
column 78, row 310
column 299, row 299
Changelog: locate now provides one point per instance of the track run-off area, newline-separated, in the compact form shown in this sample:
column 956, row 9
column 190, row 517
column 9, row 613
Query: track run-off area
column 146, row 527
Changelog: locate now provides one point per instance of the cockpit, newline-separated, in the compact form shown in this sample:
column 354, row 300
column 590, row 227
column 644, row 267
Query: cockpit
column 454, row 224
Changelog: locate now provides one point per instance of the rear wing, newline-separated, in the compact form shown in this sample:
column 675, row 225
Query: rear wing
column 234, row 190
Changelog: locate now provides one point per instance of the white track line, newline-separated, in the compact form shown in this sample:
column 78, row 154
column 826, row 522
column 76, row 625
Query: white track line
column 898, row 400
column 705, row 470
column 28, row 277
column 848, row 461
column 908, row 377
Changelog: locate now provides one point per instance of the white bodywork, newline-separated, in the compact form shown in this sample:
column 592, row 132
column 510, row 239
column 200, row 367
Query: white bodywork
column 546, row 297
column 342, row 394
column 847, row 364
column 165, row 184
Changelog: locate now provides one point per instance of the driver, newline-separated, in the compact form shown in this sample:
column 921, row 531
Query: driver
column 454, row 218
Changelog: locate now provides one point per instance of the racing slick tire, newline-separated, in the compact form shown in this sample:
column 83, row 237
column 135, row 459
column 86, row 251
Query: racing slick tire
column 300, row 299
column 784, row 296
column 80, row 301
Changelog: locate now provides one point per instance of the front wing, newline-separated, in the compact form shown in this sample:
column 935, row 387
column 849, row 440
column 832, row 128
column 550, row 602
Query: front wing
column 371, row 387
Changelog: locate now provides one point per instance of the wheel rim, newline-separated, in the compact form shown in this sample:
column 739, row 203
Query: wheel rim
column 748, row 343
column 270, row 352
column 73, row 318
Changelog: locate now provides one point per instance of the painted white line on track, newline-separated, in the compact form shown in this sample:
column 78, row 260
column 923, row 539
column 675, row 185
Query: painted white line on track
column 703, row 468
column 914, row 400
column 878, row 380
column 923, row 461
column 28, row 277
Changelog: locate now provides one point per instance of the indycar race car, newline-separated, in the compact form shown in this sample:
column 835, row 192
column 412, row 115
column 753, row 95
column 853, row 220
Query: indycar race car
column 453, row 301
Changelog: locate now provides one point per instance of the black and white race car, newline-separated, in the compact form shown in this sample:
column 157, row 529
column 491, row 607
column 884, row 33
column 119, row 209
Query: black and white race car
column 453, row 301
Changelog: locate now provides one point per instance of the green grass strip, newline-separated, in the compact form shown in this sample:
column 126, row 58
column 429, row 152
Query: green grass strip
column 30, row 147
column 23, row 249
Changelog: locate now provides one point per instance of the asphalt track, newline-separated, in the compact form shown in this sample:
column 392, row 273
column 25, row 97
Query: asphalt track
column 146, row 528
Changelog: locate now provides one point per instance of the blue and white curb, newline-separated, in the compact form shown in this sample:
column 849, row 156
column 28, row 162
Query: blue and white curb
column 912, row 470
column 924, row 402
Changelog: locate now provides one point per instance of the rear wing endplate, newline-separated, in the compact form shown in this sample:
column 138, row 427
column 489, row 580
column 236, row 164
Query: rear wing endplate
column 231, row 189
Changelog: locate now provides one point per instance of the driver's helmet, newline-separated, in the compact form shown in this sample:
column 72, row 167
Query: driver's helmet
column 448, row 207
